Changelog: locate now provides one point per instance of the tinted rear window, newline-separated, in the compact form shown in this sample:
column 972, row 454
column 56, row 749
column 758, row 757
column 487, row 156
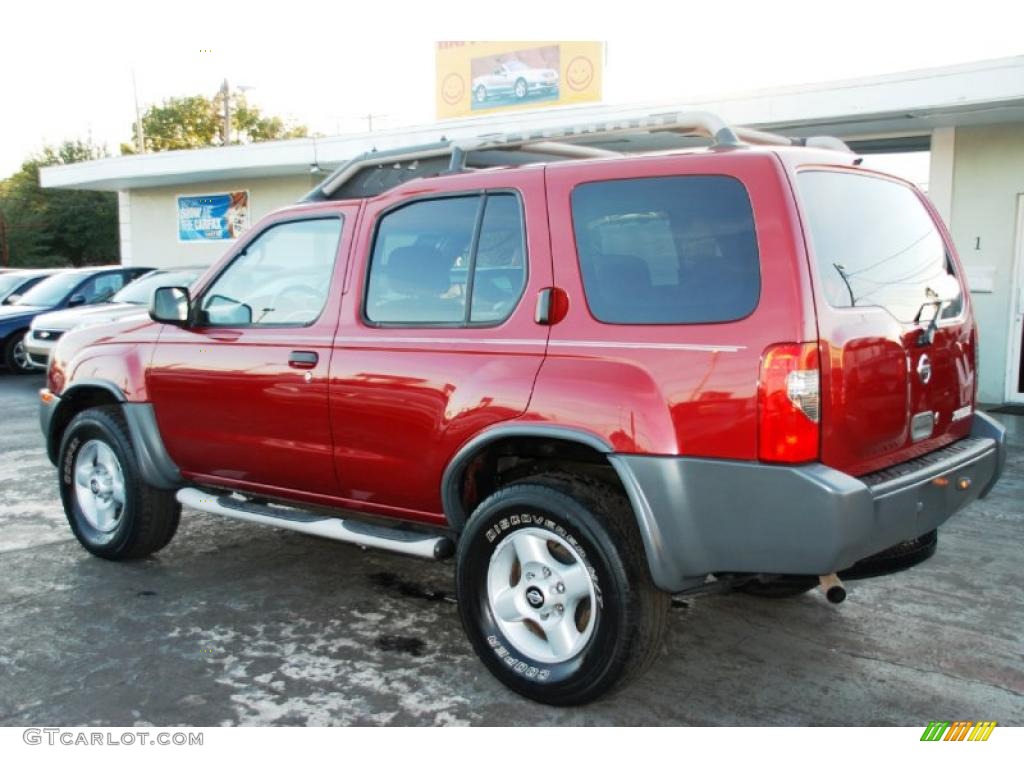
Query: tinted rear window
column 674, row 249
column 874, row 242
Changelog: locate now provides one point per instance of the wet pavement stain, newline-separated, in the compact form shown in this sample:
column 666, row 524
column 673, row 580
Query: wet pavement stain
column 391, row 581
column 412, row 646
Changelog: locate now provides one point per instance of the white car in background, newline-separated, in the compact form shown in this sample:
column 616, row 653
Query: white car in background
column 134, row 298
column 516, row 79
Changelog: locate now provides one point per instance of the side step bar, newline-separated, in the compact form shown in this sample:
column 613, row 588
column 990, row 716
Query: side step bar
column 351, row 531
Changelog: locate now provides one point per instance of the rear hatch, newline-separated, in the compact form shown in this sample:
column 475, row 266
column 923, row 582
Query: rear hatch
column 897, row 339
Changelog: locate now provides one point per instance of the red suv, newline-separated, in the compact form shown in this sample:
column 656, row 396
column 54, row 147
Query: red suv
column 596, row 378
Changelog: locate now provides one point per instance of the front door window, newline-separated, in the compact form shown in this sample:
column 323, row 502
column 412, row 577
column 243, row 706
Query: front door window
column 281, row 278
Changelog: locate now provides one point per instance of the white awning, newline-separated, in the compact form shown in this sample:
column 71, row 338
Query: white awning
column 906, row 103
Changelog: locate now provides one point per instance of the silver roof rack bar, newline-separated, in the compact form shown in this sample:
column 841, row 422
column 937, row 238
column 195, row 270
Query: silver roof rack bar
column 559, row 141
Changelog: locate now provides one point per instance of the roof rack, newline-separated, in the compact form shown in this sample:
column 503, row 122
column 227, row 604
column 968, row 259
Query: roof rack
column 376, row 171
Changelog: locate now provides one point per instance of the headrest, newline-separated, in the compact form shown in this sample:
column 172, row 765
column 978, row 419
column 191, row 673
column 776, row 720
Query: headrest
column 419, row 270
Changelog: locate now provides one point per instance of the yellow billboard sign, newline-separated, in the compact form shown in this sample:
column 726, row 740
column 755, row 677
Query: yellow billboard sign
column 475, row 78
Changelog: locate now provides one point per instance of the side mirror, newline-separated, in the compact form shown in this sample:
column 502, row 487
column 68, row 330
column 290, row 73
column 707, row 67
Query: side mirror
column 171, row 304
column 76, row 300
column 946, row 289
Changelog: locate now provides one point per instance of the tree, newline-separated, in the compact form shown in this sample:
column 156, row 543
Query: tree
column 191, row 122
column 180, row 123
column 58, row 227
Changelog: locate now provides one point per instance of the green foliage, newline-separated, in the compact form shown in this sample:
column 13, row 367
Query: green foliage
column 58, row 227
column 181, row 123
column 191, row 122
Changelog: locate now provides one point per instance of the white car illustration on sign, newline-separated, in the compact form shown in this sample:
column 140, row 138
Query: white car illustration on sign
column 514, row 78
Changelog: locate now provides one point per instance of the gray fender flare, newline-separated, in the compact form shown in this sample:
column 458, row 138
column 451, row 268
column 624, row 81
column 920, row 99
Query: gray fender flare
column 657, row 554
column 451, row 500
column 155, row 464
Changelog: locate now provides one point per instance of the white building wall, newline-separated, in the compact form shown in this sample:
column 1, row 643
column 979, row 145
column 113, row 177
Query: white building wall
column 149, row 224
column 940, row 172
column 988, row 176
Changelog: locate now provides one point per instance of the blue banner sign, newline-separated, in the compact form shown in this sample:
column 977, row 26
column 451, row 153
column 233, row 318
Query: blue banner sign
column 212, row 217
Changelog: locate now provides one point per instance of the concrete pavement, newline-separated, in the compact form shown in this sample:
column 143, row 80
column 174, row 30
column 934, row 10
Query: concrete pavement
column 241, row 624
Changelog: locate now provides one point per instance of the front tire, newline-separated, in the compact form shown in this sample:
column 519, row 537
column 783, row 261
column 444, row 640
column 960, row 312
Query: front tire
column 554, row 590
column 113, row 513
column 481, row 94
column 16, row 356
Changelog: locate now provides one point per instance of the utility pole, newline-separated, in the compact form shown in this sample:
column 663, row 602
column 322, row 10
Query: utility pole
column 140, row 134
column 226, row 91
column 369, row 120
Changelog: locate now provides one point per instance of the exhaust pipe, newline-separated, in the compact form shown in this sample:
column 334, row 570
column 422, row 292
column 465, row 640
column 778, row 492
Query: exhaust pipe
column 833, row 588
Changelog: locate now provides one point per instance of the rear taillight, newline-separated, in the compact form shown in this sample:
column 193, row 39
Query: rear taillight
column 789, row 403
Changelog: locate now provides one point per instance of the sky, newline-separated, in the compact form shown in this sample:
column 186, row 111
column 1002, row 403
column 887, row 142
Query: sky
column 66, row 68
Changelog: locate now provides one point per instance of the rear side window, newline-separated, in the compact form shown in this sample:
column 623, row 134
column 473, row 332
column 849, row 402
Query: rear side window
column 874, row 243
column 667, row 250
column 452, row 261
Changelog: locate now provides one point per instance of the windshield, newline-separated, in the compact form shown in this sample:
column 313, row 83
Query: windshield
column 141, row 291
column 515, row 66
column 11, row 281
column 52, row 290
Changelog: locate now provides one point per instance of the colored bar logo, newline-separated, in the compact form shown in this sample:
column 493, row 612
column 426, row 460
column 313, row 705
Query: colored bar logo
column 959, row 730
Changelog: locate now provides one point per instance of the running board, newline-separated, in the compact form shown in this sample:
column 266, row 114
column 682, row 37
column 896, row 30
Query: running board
column 351, row 531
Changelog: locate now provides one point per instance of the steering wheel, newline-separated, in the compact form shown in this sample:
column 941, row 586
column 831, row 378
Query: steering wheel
column 295, row 294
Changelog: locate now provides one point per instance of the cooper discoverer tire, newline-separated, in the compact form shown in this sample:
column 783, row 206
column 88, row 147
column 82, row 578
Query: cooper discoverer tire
column 554, row 590
column 112, row 512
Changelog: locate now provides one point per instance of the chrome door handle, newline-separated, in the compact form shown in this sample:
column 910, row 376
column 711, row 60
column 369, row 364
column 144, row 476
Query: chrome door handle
column 303, row 359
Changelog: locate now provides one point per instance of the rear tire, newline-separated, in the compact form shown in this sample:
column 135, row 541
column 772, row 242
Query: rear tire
column 780, row 588
column 594, row 621
column 897, row 558
column 113, row 513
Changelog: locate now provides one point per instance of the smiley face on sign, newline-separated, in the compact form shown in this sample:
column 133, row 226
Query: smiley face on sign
column 580, row 73
column 453, row 88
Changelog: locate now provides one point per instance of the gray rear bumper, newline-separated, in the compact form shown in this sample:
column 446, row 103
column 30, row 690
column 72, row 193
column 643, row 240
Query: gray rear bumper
column 700, row 516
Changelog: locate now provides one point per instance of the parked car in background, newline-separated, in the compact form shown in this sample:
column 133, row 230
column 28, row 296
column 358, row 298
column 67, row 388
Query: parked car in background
column 70, row 288
column 133, row 298
column 14, row 282
column 516, row 79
